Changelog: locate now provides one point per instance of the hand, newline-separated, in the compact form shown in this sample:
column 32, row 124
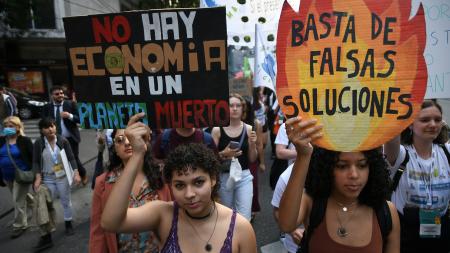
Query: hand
column 301, row 132
column 76, row 178
column 297, row 235
column 262, row 167
column 138, row 134
column 228, row 153
column 252, row 138
column 37, row 183
column 65, row 115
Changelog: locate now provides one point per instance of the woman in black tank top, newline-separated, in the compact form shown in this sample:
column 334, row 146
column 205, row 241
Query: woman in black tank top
column 238, row 133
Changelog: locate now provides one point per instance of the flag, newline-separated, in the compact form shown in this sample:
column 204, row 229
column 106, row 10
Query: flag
column 265, row 62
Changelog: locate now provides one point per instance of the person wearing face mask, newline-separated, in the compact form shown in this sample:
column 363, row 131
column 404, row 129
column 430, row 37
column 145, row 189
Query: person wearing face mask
column 21, row 150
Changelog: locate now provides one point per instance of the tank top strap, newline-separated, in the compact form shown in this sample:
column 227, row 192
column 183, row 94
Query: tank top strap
column 227, row 244
column 171, row 245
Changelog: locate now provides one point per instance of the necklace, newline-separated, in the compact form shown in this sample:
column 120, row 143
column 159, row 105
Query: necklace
column 342, row 231
column 211, row 210
column 208, row 246
column 344, row 207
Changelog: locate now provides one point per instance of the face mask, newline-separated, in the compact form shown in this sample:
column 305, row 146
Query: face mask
column 8, row 131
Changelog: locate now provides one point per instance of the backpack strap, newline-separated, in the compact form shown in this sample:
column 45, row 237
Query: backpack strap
column 165, row 141
column 207, row 138
column 384, row 221
column 447, row 154
column 399, row 172
column 316, row 216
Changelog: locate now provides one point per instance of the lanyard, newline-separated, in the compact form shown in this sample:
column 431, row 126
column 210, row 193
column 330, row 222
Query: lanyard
column 54, row 152
column 427, row 180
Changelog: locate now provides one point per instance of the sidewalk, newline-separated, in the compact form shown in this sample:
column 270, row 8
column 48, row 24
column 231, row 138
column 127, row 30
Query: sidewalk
column 81, row 202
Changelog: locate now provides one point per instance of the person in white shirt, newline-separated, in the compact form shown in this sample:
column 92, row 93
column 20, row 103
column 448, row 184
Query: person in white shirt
column 292, row 240
column 284, row 149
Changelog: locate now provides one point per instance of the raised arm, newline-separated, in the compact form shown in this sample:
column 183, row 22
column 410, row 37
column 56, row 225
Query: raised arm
column 117, row 216
column 259, row 145
column 252, row 152
column 392, row 149
column 300, row 133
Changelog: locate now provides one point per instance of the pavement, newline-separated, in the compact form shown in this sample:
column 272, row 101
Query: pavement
column 267, row 232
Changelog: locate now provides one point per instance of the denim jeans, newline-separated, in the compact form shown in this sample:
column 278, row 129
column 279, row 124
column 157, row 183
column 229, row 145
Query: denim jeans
column 60, row 186
column 240, row 196
column 19, row 193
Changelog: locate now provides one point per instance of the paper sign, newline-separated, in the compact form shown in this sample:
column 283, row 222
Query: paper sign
column 357, row 66
column 170, row 64
column 67, row 166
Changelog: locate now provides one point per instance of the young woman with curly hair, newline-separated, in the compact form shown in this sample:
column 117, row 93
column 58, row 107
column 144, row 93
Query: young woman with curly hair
column 421, row 172
column 352, row 185
column 147, row 186
column 194, row 222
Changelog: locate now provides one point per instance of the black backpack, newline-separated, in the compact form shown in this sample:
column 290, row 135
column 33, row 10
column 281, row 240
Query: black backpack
column 402, row 167
column 317, row 214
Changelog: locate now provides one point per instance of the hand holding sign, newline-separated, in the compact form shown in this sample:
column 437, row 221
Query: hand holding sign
column 302, row 132
column 138, row 134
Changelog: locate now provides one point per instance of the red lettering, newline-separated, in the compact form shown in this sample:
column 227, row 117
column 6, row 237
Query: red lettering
column 210, row 103
column 199, row 108
column 101, row 29
column 121, row 21
column 104, row 31
column 162, row 112
column 187, row 113
column 222, row 109
column 176, row 122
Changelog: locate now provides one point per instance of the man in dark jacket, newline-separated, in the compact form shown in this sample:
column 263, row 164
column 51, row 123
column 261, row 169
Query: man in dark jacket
column 65, row 114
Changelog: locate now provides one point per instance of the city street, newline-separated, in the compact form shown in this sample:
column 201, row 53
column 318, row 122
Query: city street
column 264, row 225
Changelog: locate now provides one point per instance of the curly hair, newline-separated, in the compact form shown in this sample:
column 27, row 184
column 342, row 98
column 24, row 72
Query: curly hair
column 151, row 169
column 192, row 156
column 407, row 134
column 320, row 178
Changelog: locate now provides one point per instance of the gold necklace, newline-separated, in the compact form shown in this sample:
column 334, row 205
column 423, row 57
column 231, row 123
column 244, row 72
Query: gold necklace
column 342, row 231
column 208, row 246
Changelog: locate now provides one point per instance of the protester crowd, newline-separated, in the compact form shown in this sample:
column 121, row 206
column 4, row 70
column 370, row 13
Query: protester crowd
column 195, row 190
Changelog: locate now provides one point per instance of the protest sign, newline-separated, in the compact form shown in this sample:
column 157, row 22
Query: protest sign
column 356, row 66
column 170, row 64
column 437, row 50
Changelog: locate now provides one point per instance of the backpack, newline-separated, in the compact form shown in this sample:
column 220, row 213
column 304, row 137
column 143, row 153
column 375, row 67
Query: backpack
column 13, row 102
column 317, row 214
column 402, row 168
column 165, row 139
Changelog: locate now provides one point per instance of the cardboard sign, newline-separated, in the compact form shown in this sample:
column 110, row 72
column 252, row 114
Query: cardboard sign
column 171, row 64
column 357, row 66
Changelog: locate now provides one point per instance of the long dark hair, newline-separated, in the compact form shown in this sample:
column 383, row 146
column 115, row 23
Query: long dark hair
column 151, row 169
column 320, row 178
column 407, row 134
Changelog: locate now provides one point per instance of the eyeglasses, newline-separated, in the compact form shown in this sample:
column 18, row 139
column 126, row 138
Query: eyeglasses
column 120, row 139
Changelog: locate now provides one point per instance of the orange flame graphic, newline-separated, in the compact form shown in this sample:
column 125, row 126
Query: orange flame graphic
column 357, row 66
